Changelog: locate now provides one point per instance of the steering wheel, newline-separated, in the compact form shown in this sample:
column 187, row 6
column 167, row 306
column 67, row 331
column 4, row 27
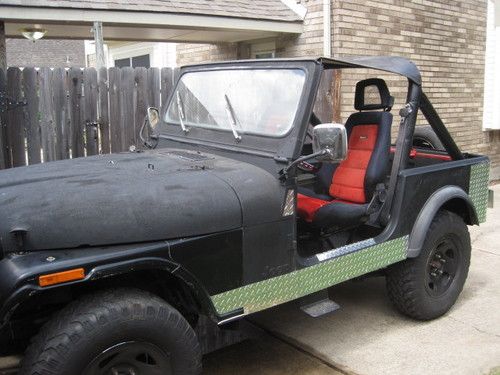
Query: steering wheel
column 305, row 166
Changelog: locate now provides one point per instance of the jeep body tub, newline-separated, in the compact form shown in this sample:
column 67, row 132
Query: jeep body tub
column 216, row 213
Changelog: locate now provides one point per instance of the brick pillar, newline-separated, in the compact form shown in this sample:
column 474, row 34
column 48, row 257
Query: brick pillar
column 3, row 50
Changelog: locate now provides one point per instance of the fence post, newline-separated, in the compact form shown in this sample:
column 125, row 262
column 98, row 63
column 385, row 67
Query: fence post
column 47, row 123
column 75, row 101
column 90, row 110
column 104, row 110
column 142, row 102
column 31, row 115
column 116, row 132
column 154, row 87
column 15, row 125
column 127, row 92
column 167, row 82
column 59, row 85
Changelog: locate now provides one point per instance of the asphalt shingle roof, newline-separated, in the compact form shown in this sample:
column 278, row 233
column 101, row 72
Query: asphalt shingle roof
column 274, row 10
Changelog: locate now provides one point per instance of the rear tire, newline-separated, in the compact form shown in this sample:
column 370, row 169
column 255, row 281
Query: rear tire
column 117, row 331
column 427, row 286
column 425, row 137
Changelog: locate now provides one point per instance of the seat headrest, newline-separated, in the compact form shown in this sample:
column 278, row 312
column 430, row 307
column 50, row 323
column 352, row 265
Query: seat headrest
column 373, row 94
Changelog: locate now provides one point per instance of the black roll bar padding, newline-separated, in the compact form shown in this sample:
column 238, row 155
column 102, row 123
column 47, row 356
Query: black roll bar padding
column 439, row 128
column 404, row 144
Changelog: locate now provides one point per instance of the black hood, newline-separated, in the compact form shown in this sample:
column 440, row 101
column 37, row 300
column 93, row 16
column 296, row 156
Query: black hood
column 122, row 198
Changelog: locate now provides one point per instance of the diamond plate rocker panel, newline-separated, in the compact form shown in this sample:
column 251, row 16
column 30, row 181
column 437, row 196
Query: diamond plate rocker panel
column 478, row 188
column 267, row 293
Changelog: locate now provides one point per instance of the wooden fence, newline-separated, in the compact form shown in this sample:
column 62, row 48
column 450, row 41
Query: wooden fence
column 76, row 112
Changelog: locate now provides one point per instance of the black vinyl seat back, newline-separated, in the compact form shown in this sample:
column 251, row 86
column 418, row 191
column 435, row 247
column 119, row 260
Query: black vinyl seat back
column 351, row 184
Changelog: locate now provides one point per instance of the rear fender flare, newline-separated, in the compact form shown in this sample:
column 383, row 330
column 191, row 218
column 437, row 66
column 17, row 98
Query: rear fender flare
column 429, row 210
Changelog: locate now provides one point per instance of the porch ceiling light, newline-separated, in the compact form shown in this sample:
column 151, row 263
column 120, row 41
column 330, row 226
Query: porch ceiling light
column 33, row 33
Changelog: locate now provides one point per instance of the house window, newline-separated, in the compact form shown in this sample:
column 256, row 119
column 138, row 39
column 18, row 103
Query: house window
column 134, row 62
column 266, row 50
column 264, row 55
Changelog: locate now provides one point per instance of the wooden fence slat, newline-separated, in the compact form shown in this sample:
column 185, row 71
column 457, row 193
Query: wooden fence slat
column 154, row 87
column 75, row 78
column 167, row 79
column 104, row 110
column 47, row 121
column 31, row 115
column 141, row 79
column 60, row 112
column 116, row 132
column 15, row 126
column 4, row 160
column 127, row 93
column 90, row 110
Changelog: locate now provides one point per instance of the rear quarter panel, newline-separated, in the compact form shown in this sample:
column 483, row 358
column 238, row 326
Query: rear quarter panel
column 416, row 185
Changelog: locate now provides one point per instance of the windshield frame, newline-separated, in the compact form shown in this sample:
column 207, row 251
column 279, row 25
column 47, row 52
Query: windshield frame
column 283, row 147
column 240, row 131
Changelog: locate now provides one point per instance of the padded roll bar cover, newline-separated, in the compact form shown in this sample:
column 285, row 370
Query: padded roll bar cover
column 429, row 211
column 386, row 100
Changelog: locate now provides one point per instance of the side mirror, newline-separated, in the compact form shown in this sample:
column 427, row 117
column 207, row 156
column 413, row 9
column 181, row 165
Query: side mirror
column 330, row 142
column 147, row 133
column 153, row 117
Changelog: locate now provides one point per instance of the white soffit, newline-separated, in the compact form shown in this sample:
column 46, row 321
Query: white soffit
column 143, row 26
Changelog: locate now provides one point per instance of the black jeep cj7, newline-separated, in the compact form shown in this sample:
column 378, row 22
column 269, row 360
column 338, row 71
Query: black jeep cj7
column 245, row 201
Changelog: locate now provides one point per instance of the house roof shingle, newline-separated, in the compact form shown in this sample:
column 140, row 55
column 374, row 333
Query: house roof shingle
column 274, row 10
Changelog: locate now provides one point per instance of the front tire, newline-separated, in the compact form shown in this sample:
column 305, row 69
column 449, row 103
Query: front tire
column 124, row 331
column 427, row 286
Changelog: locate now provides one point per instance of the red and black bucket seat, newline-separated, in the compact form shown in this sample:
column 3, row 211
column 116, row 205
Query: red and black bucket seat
column 350, row 185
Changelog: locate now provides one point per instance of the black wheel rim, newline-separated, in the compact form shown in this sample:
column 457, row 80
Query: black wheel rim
column 130, row 358
column 443, row 266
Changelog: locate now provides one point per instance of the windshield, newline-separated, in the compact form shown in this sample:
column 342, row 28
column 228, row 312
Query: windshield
column 249, row 101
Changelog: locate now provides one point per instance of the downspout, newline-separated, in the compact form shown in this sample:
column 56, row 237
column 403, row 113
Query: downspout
column 327, row 28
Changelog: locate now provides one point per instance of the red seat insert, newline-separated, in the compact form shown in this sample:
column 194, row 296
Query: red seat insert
column 348, row 181
column 307, row 206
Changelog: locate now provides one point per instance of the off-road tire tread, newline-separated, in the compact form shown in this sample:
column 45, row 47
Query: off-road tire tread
column 402, row 282
column 51, row 342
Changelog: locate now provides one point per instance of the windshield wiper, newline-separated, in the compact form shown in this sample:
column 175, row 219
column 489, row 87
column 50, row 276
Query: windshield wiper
column 180, row 109
column 232, row 118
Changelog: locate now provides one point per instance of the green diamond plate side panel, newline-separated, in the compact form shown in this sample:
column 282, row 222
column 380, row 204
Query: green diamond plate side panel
column 267, row 293
column 478, row 188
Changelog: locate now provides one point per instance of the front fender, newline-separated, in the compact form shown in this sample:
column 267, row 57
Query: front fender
column 435, row 202
column 20, row 273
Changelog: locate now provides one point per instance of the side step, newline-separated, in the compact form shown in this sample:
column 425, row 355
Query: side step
column 318, row 304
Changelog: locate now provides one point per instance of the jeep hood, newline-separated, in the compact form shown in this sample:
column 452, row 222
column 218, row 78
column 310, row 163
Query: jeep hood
column 121, row 198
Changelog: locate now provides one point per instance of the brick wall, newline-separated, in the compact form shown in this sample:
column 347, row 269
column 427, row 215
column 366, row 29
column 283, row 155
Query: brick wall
column 44, row 52
column 198, row 53
column 446, row 39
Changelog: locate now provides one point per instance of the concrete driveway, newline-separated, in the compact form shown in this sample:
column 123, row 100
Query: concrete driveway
column 367, row 336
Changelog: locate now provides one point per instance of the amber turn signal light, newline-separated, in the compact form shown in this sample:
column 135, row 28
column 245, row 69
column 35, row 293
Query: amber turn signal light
column 61, row 277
